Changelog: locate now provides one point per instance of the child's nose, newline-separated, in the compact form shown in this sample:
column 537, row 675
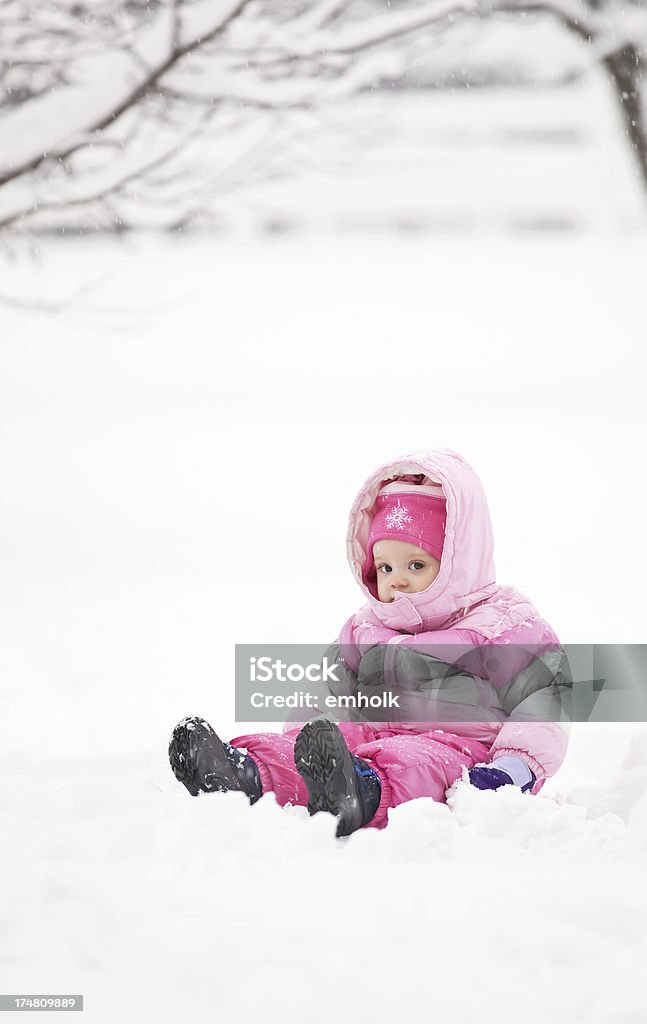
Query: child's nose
column 401, row 581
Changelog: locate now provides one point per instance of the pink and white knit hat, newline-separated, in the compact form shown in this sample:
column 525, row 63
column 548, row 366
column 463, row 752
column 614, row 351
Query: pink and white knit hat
column 416, row 514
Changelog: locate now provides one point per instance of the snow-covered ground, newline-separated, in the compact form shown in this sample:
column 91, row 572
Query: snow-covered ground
column 180, row 449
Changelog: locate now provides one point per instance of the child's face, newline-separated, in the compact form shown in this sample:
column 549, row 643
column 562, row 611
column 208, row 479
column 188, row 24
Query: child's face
column 404, row 567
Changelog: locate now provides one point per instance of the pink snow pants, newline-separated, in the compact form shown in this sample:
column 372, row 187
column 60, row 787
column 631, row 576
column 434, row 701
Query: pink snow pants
column 409, row 764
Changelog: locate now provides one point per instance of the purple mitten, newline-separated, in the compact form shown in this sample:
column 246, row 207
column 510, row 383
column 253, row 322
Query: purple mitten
column 503, row 771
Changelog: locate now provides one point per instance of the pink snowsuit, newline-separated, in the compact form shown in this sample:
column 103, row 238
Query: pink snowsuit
column 417, row 636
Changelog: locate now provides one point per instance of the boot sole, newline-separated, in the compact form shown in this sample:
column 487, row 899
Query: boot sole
column 199, row 760
column 324, row 762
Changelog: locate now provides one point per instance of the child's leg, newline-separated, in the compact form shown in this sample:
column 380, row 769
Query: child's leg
column 273, row 753
column 411, row 765
column 408, row 764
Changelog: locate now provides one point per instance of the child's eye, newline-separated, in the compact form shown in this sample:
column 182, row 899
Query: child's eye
column 416, row 565
column 385, row 568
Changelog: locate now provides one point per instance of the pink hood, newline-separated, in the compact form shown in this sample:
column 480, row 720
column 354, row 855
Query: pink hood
column 467, row 574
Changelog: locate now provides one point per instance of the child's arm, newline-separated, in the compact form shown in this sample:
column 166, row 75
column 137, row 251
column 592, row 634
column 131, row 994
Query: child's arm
column 538, row 701
column 359, row 634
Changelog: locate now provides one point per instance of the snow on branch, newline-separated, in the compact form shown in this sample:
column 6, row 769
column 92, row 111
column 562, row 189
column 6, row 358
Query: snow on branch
column 103, row 87
column 96, row 94
column 156, row 57
column 606, row 23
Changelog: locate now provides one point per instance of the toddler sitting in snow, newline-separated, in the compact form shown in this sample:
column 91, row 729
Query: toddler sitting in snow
column 480, row 675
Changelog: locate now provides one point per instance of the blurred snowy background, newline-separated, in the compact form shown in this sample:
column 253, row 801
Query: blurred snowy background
column 250, row 250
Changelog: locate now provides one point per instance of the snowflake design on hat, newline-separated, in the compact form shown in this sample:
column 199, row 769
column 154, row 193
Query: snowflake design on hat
column 397, row 516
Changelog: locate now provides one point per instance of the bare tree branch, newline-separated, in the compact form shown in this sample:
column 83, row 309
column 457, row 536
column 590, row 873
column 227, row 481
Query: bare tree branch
column 99, row 97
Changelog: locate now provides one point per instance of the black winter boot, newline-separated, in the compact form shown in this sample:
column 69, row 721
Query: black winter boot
column 204, row 764
column 337, row 781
